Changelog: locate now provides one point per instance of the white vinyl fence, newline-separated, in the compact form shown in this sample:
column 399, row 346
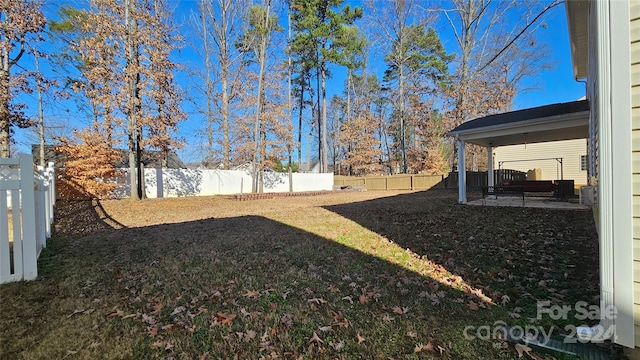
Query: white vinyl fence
column 202, row 182
column 27, row 198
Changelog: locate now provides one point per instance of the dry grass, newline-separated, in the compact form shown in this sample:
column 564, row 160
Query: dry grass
column 372, row 274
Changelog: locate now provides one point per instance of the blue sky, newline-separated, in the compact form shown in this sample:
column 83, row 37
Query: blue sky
column 552, row 86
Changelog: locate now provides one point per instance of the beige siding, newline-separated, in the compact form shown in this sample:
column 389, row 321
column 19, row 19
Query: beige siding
column 569, row 150
column 635, row 10
column 635, row 74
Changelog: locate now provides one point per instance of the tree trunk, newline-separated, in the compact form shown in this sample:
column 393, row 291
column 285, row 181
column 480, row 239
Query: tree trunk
column 225, row 116
column 300, row 127
column 325, row 167
column 131, row 107
column 40, row 112
column 402, row 132
column 209, row 91
column 5, row 140
column 262, row 59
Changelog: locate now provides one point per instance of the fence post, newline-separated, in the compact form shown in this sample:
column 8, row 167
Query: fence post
column 52, row 185
column 29, row 247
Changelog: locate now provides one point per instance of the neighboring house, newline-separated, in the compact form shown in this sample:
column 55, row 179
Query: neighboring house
column 605, row 47
column 558, row 160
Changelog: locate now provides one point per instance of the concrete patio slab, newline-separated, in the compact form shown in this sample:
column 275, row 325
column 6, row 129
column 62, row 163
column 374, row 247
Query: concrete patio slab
column 530, row 202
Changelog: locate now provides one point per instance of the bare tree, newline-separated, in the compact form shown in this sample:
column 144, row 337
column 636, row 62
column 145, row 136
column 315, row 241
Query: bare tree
column 491, row 48
column 222, row 27
column 20, row 23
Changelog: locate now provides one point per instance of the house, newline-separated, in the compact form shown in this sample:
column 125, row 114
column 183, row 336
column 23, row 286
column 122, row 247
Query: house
column 557, row 160
column 605, row 50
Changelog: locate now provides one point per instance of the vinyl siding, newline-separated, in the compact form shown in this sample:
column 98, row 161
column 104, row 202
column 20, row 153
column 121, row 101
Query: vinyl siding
column 635, row 126
column 569, row 150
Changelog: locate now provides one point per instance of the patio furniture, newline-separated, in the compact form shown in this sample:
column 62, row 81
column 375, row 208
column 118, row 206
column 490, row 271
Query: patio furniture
column 509, row 190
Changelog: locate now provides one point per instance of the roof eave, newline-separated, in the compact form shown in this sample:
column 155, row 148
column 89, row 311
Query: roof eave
column 577, row 21
column 523, row 123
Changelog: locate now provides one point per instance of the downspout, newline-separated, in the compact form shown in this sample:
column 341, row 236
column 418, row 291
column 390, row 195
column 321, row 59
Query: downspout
column 614, row 176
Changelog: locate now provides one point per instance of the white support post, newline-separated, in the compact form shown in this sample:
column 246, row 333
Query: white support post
column 462, row 174
column 29, row 250
column 490, row 165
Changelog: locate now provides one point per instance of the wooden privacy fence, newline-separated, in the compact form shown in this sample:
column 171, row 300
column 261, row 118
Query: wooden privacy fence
column 393, row 182
column 475, row 180
column 27, row 198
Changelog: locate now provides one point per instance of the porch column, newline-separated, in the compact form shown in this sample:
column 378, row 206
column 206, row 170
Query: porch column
column 490, row 165
column 462, row 174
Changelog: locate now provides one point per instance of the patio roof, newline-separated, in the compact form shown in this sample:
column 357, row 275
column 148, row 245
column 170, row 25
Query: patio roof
column 563, row 121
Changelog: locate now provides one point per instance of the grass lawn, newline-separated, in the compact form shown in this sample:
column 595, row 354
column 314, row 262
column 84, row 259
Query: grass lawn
column 337, row 276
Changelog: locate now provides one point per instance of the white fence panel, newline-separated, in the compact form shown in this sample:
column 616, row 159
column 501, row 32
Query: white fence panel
column 30, row 205
column 203, row 182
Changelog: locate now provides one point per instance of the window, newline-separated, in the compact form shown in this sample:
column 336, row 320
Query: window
column 584, row 163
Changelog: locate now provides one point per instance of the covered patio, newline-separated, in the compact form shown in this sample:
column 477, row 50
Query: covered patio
column 535, row 202
column 556, row 122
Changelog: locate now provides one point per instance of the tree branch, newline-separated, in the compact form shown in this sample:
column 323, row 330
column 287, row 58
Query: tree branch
column 553, row 4
column 17, row 58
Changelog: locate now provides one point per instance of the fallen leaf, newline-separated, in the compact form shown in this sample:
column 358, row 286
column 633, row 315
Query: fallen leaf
column 428, row 347
column 514, row 315
column 317, row 301
column 325, row 328
column 252, row 294
column 337, row 346
column 315, row 339
column 69, row 353
column 412, row 334
column 117, row 312
column 157, row 308
column 75, row 312
column 94, row 345
column 421, row 347
column 148, row 319
column 360, row 338
column 441, row 349
column 522, row 349
column 249, row 335
column 473, row 306
column 348, row 298
column 387, row 317
column 363, row 299
column 152, row 331
column 397, row 310
column 225, row 319
column 169, row 347
column 287, row 320
column 177, row 310
column 505, row 299
column 157, row 344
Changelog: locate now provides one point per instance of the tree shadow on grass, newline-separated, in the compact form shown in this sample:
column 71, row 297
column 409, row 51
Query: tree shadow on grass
column 524, row 253
column 244, row 287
